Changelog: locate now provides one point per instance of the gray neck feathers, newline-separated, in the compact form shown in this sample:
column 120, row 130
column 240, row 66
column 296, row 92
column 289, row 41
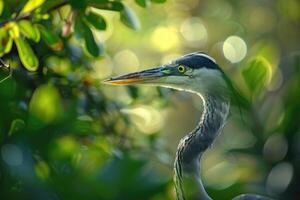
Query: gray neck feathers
column 191, row 147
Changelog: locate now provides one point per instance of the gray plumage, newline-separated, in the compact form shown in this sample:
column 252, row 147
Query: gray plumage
column 192, row 146
column 197, row 73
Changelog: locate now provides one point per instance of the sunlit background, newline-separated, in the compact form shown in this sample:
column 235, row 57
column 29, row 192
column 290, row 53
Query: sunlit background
column 64, row 135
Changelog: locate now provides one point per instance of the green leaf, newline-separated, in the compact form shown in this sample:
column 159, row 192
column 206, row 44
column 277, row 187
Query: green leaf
column 26, row 54
column 13, row 30
column 45, row 105
column 29, row 30
column 143, row 3
column 1, row 6
column 82, row 125
column 50, row 38
column 8, row 45
column 129, row 18
column 257, row 74
column 109, row 5
column 96, row 2
column 79, row 26
column 84, row 32
column 79, row 5
column 5, row 41
column 31, row 5
column 95, row 20
column 15, row 126
column 90, row 43
column 42, row 170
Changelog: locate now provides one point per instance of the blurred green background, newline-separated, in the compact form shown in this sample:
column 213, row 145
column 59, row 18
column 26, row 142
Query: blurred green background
column 64, row 135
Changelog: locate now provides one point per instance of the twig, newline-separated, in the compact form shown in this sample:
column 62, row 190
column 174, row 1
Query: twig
column 2, row 64
column 28, row 15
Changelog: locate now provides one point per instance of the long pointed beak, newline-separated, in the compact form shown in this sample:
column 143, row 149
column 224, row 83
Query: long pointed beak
column 145, row 76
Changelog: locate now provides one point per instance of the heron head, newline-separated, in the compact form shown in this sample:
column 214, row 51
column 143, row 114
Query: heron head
column 195, row 72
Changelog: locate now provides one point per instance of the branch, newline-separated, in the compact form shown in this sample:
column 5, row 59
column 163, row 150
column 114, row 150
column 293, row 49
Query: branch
column 29, row 15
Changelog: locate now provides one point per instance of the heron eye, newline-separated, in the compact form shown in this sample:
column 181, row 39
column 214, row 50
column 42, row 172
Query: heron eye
column 181, row 68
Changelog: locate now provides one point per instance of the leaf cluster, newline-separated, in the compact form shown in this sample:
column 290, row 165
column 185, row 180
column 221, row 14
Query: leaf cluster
column 33, row 23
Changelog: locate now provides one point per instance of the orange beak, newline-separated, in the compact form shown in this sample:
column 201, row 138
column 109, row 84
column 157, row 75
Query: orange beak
column 145, row 76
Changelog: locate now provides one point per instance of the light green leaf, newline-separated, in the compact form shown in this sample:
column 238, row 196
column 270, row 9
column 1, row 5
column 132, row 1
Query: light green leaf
column 257, row 74
column 15, row 126
column 129, row 18
column 8, row 45
column 45, row 104
column 13, row 30
column 50, row 38
column 42, row 170
column 29, row 30
column 95, row 20
column 26, row 54
column 31, row 5
column 1, row 6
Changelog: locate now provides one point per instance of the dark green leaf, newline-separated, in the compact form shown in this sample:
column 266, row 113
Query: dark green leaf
column 51, row 39
column 84, row 32
column 112, row 5
column 79, row 26
column 29, row 30
column 95, row 20
column 26, row 54
column 133, row 91
column 96, row 2
column 143, row 3
column 129, row 18
column 257, row 73
column 90, row 43
column 79, row 5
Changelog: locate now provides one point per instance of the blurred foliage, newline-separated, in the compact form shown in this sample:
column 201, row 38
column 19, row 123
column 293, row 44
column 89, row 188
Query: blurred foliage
column 63, row 135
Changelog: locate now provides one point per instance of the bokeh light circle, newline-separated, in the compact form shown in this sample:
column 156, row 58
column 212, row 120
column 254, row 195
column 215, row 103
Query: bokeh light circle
column 165, row 38
column 147, row 119
column 279, row 178
column 193, row 30
column 234, row 49
column 12, row 154
column 125, row 61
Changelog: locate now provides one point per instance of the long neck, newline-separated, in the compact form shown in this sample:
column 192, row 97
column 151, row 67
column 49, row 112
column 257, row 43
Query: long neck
column 191, row 147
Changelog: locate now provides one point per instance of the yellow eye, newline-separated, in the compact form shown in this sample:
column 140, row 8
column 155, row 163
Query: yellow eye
column 181, row 68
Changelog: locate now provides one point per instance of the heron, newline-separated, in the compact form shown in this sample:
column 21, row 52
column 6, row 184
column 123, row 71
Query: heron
column 200, row 74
